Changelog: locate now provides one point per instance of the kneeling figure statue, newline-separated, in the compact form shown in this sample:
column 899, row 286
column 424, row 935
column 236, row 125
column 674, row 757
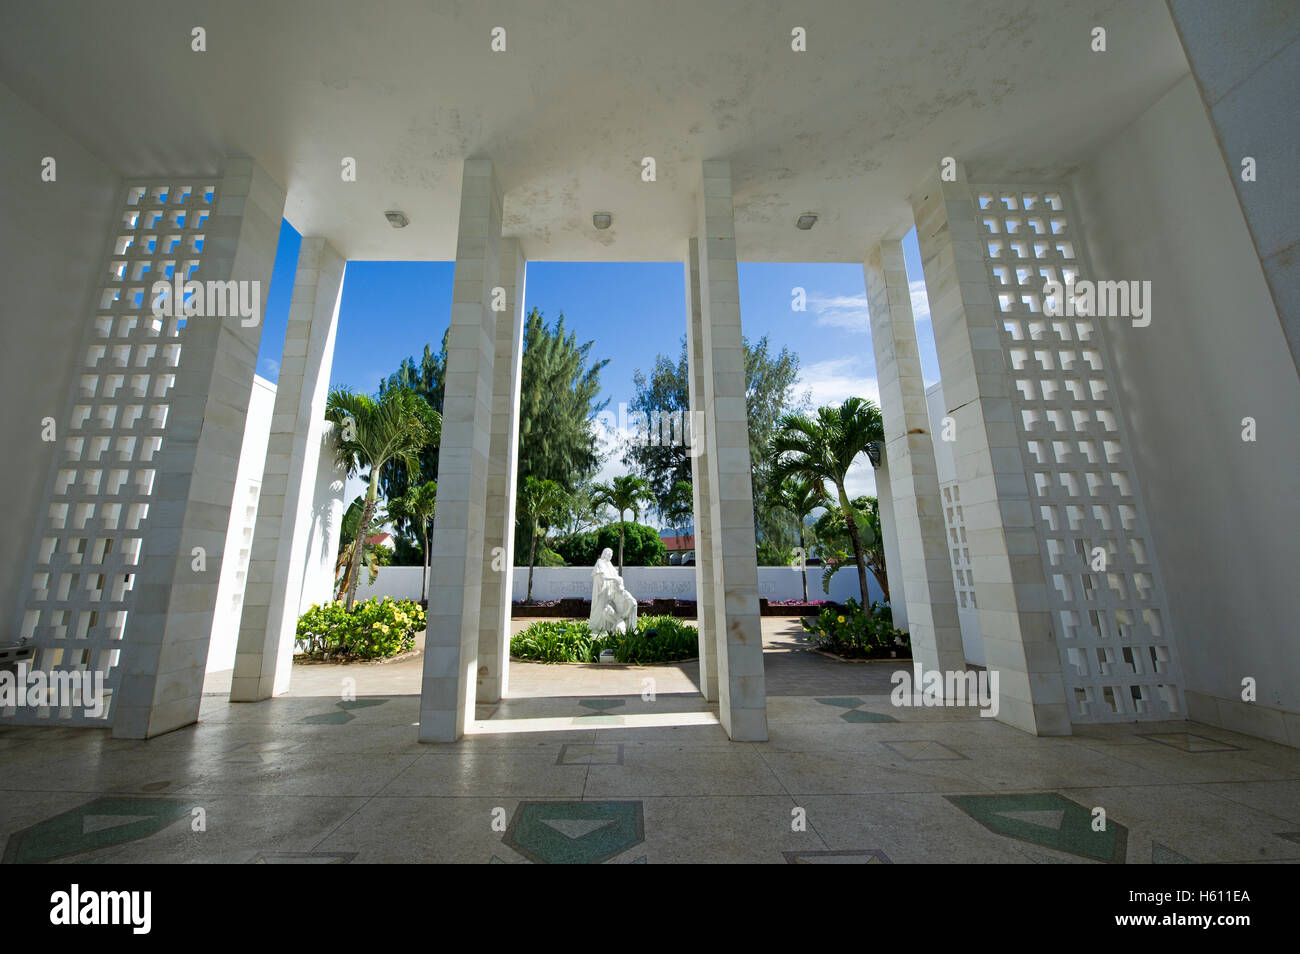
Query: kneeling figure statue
column 613, row 608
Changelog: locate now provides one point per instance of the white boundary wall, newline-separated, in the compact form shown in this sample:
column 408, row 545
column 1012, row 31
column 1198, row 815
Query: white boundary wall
column 644, row 582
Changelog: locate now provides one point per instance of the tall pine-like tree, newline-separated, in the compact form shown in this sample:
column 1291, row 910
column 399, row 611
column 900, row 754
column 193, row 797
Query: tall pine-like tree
column 557, row 403
column 770, row 393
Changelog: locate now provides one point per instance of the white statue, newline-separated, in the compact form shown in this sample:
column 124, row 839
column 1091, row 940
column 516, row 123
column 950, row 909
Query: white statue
column 613, row 608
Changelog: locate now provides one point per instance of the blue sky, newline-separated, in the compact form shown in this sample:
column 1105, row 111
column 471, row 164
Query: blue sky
column 632, row 311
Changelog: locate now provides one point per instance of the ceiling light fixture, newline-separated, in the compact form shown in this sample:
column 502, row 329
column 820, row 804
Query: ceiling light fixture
column 806, row 221
column 602, row 220
column 397, row 220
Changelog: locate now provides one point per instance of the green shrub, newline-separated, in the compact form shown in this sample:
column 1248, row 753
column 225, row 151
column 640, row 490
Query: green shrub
column 553, row 640
column 859, row 633
column 657, row 639
column 642, row 546
column 375, row 629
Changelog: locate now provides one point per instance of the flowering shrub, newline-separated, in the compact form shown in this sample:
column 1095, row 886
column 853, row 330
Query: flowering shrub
column 375, row 629
column 856, row 632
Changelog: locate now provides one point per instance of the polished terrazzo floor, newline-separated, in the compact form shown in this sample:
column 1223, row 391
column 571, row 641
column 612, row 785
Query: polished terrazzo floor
column 579, row 766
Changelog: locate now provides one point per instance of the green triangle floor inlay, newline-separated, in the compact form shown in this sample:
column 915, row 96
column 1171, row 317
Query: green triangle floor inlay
column 1034, row 818
column 100, row 823
column 575, row 832
column 843, row 703
column 601, row 704
column 1164, row 855
column 361, row 703
column 329, row 718
column 862, row 715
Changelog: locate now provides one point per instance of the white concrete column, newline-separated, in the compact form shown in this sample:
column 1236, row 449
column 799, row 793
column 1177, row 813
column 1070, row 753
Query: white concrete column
column 702, row 494
column 277, row 565
column 889, row 541
column 170, row 624
column 741, row 694
column 924, row 569
column 456, row 575
column 503, row 461
column 1009, row 583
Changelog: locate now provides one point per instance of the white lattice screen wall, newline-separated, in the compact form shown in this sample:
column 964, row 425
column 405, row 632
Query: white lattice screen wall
column 958, row 549
column 1117, row 652
column 80, row 598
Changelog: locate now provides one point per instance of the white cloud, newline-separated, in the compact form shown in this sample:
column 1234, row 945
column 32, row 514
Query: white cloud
column 831, row 381
column 920, row 301
column 845, row 312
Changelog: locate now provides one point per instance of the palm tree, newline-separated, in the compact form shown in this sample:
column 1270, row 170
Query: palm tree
column 540, row 501
column 626, row 494
column 822, row 450
column 799, row 497
column 419, row 505
column 348, row 543
column 396, row 426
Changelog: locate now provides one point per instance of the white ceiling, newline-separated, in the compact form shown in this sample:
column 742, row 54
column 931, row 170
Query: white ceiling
column 583, row 92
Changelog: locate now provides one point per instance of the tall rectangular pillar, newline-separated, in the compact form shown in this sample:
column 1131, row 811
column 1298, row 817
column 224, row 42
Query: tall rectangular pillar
column 924, row 570
column 1009, row 580
column 278, row 560
column 456, row 574
column 701, row 492
column 741, row 692
column 170, row 624
column 889, row 533
column 503, row 461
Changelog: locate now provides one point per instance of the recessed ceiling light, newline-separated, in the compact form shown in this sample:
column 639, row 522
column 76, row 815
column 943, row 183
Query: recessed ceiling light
column 806, row 221
column 397, row 220
column 602, row 220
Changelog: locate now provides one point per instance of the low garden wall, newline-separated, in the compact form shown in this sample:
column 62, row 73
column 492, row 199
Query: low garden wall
column 775, row 583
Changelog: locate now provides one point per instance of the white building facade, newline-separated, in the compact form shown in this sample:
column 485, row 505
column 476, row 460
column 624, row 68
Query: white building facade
column 1117, row 485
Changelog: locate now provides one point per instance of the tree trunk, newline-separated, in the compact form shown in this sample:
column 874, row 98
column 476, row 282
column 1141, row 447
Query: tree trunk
column 363, row 530
column 620, row 543
column 424, row 567
column 803, row 564
column 532, row 555
column 851, row 519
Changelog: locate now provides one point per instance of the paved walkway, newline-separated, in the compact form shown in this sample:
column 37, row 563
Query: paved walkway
column 579, row 765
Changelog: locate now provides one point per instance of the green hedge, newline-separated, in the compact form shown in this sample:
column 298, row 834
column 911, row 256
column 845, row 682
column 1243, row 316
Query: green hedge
column 642, row 546
column 375, row 629
column 657, row 639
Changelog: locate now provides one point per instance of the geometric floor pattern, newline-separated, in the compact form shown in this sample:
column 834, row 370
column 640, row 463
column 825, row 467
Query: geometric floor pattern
column 575, row 833
column 580, row 765
column 1048, row 820
column 855, row 714
column 99, row 823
